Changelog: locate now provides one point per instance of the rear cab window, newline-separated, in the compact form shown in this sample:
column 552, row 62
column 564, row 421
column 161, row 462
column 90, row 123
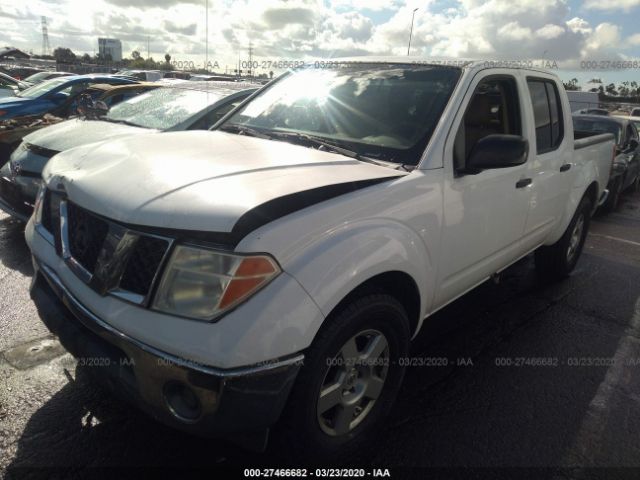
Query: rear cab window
column 547, row 113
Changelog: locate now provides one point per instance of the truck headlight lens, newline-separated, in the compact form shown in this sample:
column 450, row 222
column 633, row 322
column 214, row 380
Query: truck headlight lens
column 37, row 208
column 201, row 284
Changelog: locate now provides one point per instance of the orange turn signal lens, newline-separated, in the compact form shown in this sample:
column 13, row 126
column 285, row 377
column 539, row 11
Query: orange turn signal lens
column 250, row 275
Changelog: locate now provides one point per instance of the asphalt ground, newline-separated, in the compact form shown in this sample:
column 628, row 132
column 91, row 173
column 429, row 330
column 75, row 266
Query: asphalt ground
column 531, row 377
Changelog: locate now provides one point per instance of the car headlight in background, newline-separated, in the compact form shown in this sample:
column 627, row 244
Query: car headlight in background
column 201, row 284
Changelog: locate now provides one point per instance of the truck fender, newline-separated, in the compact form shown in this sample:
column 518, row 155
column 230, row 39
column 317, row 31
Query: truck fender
column 585, row 182
column 350, row 255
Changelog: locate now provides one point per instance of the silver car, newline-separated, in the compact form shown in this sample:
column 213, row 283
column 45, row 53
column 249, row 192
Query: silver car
column 181, row 106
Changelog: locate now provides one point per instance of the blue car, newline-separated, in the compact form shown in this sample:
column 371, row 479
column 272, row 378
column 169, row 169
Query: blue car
column 52, row 95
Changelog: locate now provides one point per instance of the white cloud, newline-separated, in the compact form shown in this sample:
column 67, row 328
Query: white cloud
column 550, row 31
column 373, row 5
column 303, row 29
column 611, row 4
column 514, row 31
column 605, row 36
column 579, row 25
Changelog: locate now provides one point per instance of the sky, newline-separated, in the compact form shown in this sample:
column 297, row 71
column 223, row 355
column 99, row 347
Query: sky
column 578, row 39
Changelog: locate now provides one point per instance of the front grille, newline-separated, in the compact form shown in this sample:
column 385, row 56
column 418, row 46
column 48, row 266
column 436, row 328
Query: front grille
column 51, row 212
column 143, row 264
column 86, row 236
column 106, row 255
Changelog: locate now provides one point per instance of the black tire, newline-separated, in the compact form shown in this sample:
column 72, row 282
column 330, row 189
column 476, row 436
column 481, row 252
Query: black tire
column 558, row 260
column 614, row 197
column 635, row 186
column 300, row 431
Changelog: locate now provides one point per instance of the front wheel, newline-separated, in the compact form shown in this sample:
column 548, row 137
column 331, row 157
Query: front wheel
column 349, row 380
column 558, row 260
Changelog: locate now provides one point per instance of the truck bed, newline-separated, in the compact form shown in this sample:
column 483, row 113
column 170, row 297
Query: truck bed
column 599, row 147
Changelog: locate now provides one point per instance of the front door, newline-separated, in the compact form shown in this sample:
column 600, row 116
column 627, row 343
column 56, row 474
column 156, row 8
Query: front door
column 485, row 213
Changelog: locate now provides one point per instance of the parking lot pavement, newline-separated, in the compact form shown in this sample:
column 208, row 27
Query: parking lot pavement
column 529, row 375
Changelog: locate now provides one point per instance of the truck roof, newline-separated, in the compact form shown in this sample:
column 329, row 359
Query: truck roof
column 462, row 63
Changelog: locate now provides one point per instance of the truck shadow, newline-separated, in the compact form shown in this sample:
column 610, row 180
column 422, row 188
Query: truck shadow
column 14, row 253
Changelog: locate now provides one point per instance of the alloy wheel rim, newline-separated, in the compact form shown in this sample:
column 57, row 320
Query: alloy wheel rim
column 576, row 237
column 353, row 382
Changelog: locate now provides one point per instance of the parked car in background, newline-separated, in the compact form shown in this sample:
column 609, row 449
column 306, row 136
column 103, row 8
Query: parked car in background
column 592, row 111
column 19, row 72
column 625, row 170
column 178, row 74
column 211, row 78
column 635, row 112
column 42, row 76
column 111, row 95
column 9, row 86
column 95, row 100
column 12, row 131
column 142, row 75
column 276, row 269
column 185, row 106
column 52, row 94
column 634, row 120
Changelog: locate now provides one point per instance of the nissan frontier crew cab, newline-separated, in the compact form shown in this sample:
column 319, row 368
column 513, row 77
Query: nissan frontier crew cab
column 270, row 274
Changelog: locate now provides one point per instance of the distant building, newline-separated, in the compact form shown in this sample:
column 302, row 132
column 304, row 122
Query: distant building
column 110, row 47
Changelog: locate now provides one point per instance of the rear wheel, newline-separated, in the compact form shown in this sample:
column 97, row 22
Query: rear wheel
column 635, row 186
column 558, row 260
column 350, row 378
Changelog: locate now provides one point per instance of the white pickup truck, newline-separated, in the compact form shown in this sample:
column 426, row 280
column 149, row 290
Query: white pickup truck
column 273, row 272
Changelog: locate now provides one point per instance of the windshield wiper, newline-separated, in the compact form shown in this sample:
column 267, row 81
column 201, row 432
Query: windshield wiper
column 242, row 130
column 321, row 142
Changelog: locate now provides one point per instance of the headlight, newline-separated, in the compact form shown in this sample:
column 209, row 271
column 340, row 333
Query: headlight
column 37, row 208
column 201, row 284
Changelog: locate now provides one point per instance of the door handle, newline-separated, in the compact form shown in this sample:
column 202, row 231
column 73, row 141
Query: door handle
column 525, row 182
column 565, row 167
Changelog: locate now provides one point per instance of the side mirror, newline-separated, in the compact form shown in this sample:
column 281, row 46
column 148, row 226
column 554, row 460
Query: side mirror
column 497, row 151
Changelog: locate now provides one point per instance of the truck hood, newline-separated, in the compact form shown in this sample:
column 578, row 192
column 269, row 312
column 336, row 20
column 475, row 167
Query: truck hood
column 204, row 181
column 76, row 132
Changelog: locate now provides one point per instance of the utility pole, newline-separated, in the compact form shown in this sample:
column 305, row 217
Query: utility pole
column 411, row 31
column 46, row 48
column 148, row 55
column 250, row 60
column 206, row 39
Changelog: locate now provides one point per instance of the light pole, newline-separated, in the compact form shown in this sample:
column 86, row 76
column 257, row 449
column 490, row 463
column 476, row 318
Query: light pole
column 206, row 34
column 411, row 31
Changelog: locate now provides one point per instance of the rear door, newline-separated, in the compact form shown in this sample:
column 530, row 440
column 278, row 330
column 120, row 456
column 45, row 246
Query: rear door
column 484, row 213
column 550, row 165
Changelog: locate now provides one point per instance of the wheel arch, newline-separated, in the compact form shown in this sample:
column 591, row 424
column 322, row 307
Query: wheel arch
column 592, row 194
column 397, row 284
column 577, row 194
